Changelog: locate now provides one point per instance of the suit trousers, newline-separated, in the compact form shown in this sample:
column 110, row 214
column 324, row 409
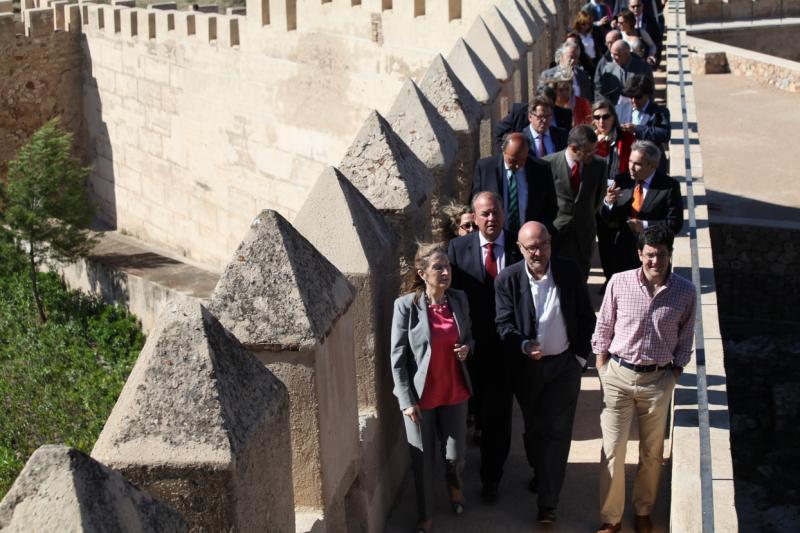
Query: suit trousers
column 627, row 393
column 548, row 394
column 449, row 424
column 496, row 404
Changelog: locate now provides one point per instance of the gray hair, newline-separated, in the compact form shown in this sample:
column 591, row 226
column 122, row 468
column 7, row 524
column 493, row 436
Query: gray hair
column 652, row 153
column 496, row 197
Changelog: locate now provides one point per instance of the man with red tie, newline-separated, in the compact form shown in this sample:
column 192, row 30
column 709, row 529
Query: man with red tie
column 579, row 177
column 476, row 260
column 649, row 197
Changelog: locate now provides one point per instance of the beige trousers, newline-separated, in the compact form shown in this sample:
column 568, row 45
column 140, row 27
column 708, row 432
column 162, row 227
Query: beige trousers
column 627, row 393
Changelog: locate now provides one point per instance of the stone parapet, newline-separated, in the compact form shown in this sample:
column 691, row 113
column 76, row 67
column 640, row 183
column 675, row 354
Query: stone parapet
column 62, row 489
column 202, row 425
column 708, row 57
column 292, row 308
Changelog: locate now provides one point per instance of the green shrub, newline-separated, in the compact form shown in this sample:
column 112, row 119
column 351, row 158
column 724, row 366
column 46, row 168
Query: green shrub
column 58, row 379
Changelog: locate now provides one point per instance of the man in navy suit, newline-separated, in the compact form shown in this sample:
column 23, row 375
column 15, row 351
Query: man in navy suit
column 650, row 121
column 476, row 259
column 524, row 183
column 545, row 321
column 535, row 121
column 649, row 197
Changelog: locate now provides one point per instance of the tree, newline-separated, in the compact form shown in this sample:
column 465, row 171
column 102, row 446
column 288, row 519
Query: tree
column 45, row 205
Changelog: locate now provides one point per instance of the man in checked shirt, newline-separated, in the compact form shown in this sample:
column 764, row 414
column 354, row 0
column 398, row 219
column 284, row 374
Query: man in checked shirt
column 643, row 339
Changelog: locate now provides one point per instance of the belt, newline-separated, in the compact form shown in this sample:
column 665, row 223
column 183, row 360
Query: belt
column 639, row 368
column 565, row 352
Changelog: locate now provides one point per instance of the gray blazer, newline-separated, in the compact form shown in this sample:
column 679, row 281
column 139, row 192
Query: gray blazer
column 411, row 344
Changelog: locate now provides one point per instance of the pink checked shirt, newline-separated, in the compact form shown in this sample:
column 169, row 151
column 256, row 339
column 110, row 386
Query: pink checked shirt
column 646, row 330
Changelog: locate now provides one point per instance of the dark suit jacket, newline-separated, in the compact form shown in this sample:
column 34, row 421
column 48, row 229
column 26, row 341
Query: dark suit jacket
column 490, row 174
column 663, row 204
column 608, row 78
column 516, row 315
column 517, row 121
column 575, row 223
column 466, row 261
column 654, row 124
column 411, row 344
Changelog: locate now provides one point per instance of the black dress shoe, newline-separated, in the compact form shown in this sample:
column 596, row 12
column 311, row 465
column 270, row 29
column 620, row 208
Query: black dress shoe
column 533, row 485
column 489, row 493
column 547, row 515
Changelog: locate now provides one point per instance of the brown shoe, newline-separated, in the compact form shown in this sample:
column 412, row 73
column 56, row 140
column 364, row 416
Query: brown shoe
column 642, row 524
column 610, row 528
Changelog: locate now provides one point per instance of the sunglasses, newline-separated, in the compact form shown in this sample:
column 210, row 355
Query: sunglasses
column 602, row 117
column 468, row 225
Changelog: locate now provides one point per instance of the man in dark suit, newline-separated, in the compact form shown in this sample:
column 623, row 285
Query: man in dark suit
column 545, row 321
column 524, row 183
column 649, row 198
column 609, row 79
column 476, row 260
column 580, row 183
column 649, row 121
column 535, row 121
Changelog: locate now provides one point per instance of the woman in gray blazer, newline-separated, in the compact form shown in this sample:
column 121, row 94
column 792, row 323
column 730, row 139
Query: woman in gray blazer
column 431, row 339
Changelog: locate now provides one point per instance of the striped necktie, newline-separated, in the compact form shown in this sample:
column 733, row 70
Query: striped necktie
column 513, row 203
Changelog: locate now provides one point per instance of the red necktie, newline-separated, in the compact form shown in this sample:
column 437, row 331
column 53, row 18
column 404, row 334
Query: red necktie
column 491, row 264
column 542, row 149
column 575, row 177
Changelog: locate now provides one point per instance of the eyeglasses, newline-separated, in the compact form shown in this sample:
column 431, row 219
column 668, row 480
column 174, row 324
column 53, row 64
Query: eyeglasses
column 542, row 117
column 602, row 117
column 468, row 225
column 534, row 247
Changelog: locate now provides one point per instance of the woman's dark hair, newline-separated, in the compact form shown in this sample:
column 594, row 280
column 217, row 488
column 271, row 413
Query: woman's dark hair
column 422, row 259
column 656, row 236
column 605, row 103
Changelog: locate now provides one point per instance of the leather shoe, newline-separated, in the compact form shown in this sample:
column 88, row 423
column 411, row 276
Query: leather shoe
column 642, row 524
column 610, row 528
column 547, row 515
column 489, row 493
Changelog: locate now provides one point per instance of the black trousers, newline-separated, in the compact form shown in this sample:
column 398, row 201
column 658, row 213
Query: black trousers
column 496, row 404
column 548, row 394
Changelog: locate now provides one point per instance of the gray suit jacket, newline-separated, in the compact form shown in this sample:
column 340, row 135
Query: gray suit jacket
column 609, row 78
column 575, row 223
column 411, row 344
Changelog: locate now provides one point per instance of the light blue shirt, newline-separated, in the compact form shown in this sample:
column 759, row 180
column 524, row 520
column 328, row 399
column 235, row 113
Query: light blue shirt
column 548, row 142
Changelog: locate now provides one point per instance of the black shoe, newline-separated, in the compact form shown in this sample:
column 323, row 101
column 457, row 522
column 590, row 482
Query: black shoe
column 533, row 485
column 547, row 515
column 489, row 493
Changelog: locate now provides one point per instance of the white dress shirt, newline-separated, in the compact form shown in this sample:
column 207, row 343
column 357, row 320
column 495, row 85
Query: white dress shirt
column 522, row 192
column 551, row 328
column 498, row 251
column 645, row 187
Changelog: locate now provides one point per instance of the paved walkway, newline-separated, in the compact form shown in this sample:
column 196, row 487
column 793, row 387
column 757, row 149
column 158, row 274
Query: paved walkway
column 747, row 132
column 516, row 510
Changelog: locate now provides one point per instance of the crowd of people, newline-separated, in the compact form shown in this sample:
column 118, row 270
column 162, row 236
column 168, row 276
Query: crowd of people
column 502, row 311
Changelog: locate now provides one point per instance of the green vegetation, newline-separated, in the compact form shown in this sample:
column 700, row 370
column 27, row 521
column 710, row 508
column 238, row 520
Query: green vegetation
column 45, row 204
column 59, row 379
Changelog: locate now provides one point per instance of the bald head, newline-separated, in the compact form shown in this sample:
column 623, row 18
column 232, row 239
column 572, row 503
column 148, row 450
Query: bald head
column 612, row 37
column 621, row 52
column 515, row 150
column 533, row 240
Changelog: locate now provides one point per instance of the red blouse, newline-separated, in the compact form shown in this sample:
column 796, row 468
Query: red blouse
column 444, row 383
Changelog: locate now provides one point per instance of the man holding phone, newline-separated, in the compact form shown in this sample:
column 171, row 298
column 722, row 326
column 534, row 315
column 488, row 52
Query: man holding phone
column 632, row 204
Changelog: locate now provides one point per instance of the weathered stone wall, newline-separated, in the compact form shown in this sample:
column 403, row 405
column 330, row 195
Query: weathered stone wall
column 756, row 271
column 779, row 40
column 708, row 57
column 192, row 135
column 40, row 78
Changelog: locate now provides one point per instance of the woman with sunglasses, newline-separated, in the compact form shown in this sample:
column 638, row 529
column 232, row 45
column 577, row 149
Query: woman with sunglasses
column 614, row 145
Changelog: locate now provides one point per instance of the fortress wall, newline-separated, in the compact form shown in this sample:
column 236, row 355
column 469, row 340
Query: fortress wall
column 192, row 136
column 40, row 80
